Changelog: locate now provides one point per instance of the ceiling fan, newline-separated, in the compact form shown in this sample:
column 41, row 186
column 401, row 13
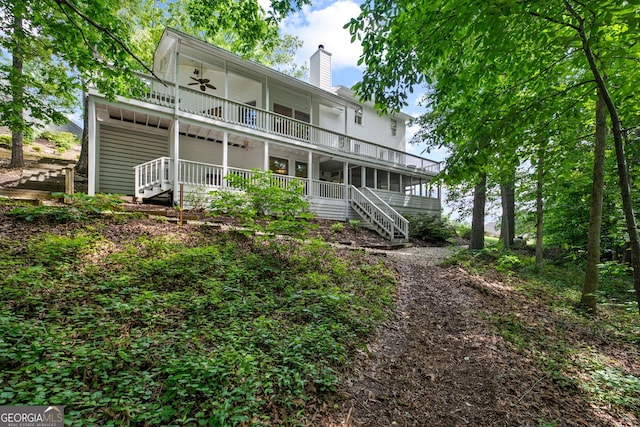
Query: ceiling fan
column 204, row 83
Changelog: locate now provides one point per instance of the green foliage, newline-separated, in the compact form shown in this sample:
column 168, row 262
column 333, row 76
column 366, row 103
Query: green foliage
column 337, row 227
column 5, row 141
column 217, row 331
column 263, row 196
column 429, row 229
column 355, row 223
column 79, row 208
column 62, row 140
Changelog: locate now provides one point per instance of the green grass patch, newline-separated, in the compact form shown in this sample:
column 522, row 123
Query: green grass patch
column 149, row 330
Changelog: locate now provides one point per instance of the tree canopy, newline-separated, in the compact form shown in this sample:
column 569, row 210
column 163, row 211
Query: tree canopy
column 55, row 48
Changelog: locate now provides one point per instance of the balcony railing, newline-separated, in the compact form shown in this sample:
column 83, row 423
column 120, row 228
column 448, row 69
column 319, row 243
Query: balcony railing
column 217, row 108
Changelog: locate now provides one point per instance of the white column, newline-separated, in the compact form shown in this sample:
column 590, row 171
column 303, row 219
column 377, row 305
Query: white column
column 91, row 131
column 375, row 178
column 345, row 182
column 266, row 156
column 363, row 175
column 225, row 157
column 174, row 137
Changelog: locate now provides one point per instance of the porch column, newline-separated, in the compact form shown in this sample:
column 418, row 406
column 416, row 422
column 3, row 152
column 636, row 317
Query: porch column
column 225, row 157
column 375, row 178
column 363, row 176
column 310, row 187
column 266, row 156
column 345, row 182
column 174, row 139
column 91, row 131
column 400, row 186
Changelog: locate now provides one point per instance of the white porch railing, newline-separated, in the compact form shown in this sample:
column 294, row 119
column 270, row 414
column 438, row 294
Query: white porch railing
column 400, row 223
column 370, row 211
column 152, row 176
column 155, row 176
column 217, row 108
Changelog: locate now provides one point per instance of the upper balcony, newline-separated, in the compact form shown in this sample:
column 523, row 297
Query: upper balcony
column 250, row 120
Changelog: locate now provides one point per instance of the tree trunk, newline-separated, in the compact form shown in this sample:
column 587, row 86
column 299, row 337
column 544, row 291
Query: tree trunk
column 17, row 89
column 477, row 221
column 621, row 159
column 539, row 208
column 507, row 227
column 588, row 301
column 82, row 167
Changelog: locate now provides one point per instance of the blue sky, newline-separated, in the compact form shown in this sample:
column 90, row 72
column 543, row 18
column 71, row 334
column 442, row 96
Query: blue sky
column 322, row 23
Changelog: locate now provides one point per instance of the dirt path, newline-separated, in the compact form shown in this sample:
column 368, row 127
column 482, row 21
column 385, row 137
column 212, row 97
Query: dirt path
column 438, row 363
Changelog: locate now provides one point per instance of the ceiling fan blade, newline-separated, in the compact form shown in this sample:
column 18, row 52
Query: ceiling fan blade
column 203, row 81
column 210, row 86
column 194, row 83
column 198, row 80
column 203, row 88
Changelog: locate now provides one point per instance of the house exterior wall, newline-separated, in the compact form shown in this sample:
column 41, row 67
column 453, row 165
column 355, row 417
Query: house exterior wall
column 199, row 150
column 120, row 149
column 376, row 128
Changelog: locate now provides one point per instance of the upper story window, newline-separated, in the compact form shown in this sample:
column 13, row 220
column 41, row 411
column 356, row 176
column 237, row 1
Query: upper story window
column 358, row 116
column 394, row 127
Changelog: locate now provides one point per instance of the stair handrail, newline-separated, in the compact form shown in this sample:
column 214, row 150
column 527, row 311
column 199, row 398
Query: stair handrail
column 400, row 222
column 151, row 173
column 378, row 216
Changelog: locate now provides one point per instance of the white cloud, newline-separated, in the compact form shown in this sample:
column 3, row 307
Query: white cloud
column 324, row 26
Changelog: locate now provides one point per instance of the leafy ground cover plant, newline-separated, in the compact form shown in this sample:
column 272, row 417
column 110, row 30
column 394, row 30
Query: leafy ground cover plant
column 62, row 140
column 78, row 207
column 189, row 327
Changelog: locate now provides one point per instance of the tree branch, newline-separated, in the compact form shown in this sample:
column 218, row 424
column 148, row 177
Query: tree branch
column 108, row 32
column 555, row 21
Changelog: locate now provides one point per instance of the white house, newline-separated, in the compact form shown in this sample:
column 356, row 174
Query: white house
column 213, row 113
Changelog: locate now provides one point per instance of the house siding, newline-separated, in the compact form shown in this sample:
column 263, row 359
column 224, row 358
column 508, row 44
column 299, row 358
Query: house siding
column 410, row 205
column 120, row 150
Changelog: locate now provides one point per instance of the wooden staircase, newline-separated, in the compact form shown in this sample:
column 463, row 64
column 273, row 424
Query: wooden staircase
column 381, row 217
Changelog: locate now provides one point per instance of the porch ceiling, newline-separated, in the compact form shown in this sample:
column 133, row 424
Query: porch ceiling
column 116, row 113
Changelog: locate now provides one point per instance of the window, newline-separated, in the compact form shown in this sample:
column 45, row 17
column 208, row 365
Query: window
column 302, row 170
column 394, row 127
column 279, row 166
column 358, row 116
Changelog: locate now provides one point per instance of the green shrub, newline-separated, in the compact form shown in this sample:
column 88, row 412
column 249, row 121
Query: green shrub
column 263, row 203
column 62, row 140
column 463, row 231
column 429, row 229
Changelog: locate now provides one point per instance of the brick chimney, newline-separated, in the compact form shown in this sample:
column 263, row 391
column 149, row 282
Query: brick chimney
column 320, row 69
